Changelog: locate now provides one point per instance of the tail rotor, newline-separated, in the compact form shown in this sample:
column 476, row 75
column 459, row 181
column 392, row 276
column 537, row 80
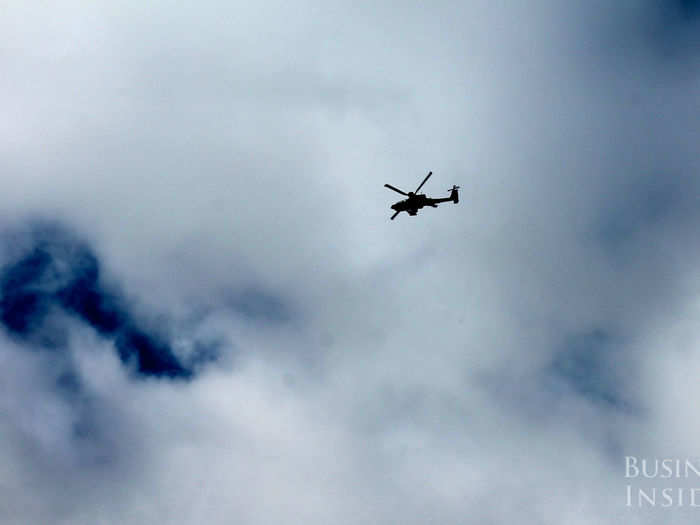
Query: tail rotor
column 454, row 193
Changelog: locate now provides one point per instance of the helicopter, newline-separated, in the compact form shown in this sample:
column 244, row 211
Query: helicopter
column 417, row 200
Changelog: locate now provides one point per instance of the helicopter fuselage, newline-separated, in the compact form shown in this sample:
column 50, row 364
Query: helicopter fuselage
column 413, row 204
column 417, row 201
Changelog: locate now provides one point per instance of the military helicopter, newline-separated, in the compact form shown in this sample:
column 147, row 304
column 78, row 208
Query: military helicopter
column 416, row 201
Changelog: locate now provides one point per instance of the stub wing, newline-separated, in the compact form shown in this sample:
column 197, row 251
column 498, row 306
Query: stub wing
column 438, row 201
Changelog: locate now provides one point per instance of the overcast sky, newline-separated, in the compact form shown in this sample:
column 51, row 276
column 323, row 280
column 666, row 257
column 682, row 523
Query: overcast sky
column 207, row 316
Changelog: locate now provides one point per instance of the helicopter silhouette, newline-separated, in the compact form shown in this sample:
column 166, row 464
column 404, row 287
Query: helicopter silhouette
column 417, row 200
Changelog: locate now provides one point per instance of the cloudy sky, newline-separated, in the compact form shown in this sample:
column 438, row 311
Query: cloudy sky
column 206, row 315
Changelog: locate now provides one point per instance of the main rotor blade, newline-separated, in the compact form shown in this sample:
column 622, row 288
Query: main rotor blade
column 425, row 179
column 395, row 189
column 395, row 214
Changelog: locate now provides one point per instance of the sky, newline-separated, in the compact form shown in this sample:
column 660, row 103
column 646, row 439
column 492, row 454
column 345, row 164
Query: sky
column 206, row 315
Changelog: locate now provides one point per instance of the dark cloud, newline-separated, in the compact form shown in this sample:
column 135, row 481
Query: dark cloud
column 674, row 31
column 643, row 203
column 687, row 10
column 57, row 273
column 256, row 304
column 591, row 365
